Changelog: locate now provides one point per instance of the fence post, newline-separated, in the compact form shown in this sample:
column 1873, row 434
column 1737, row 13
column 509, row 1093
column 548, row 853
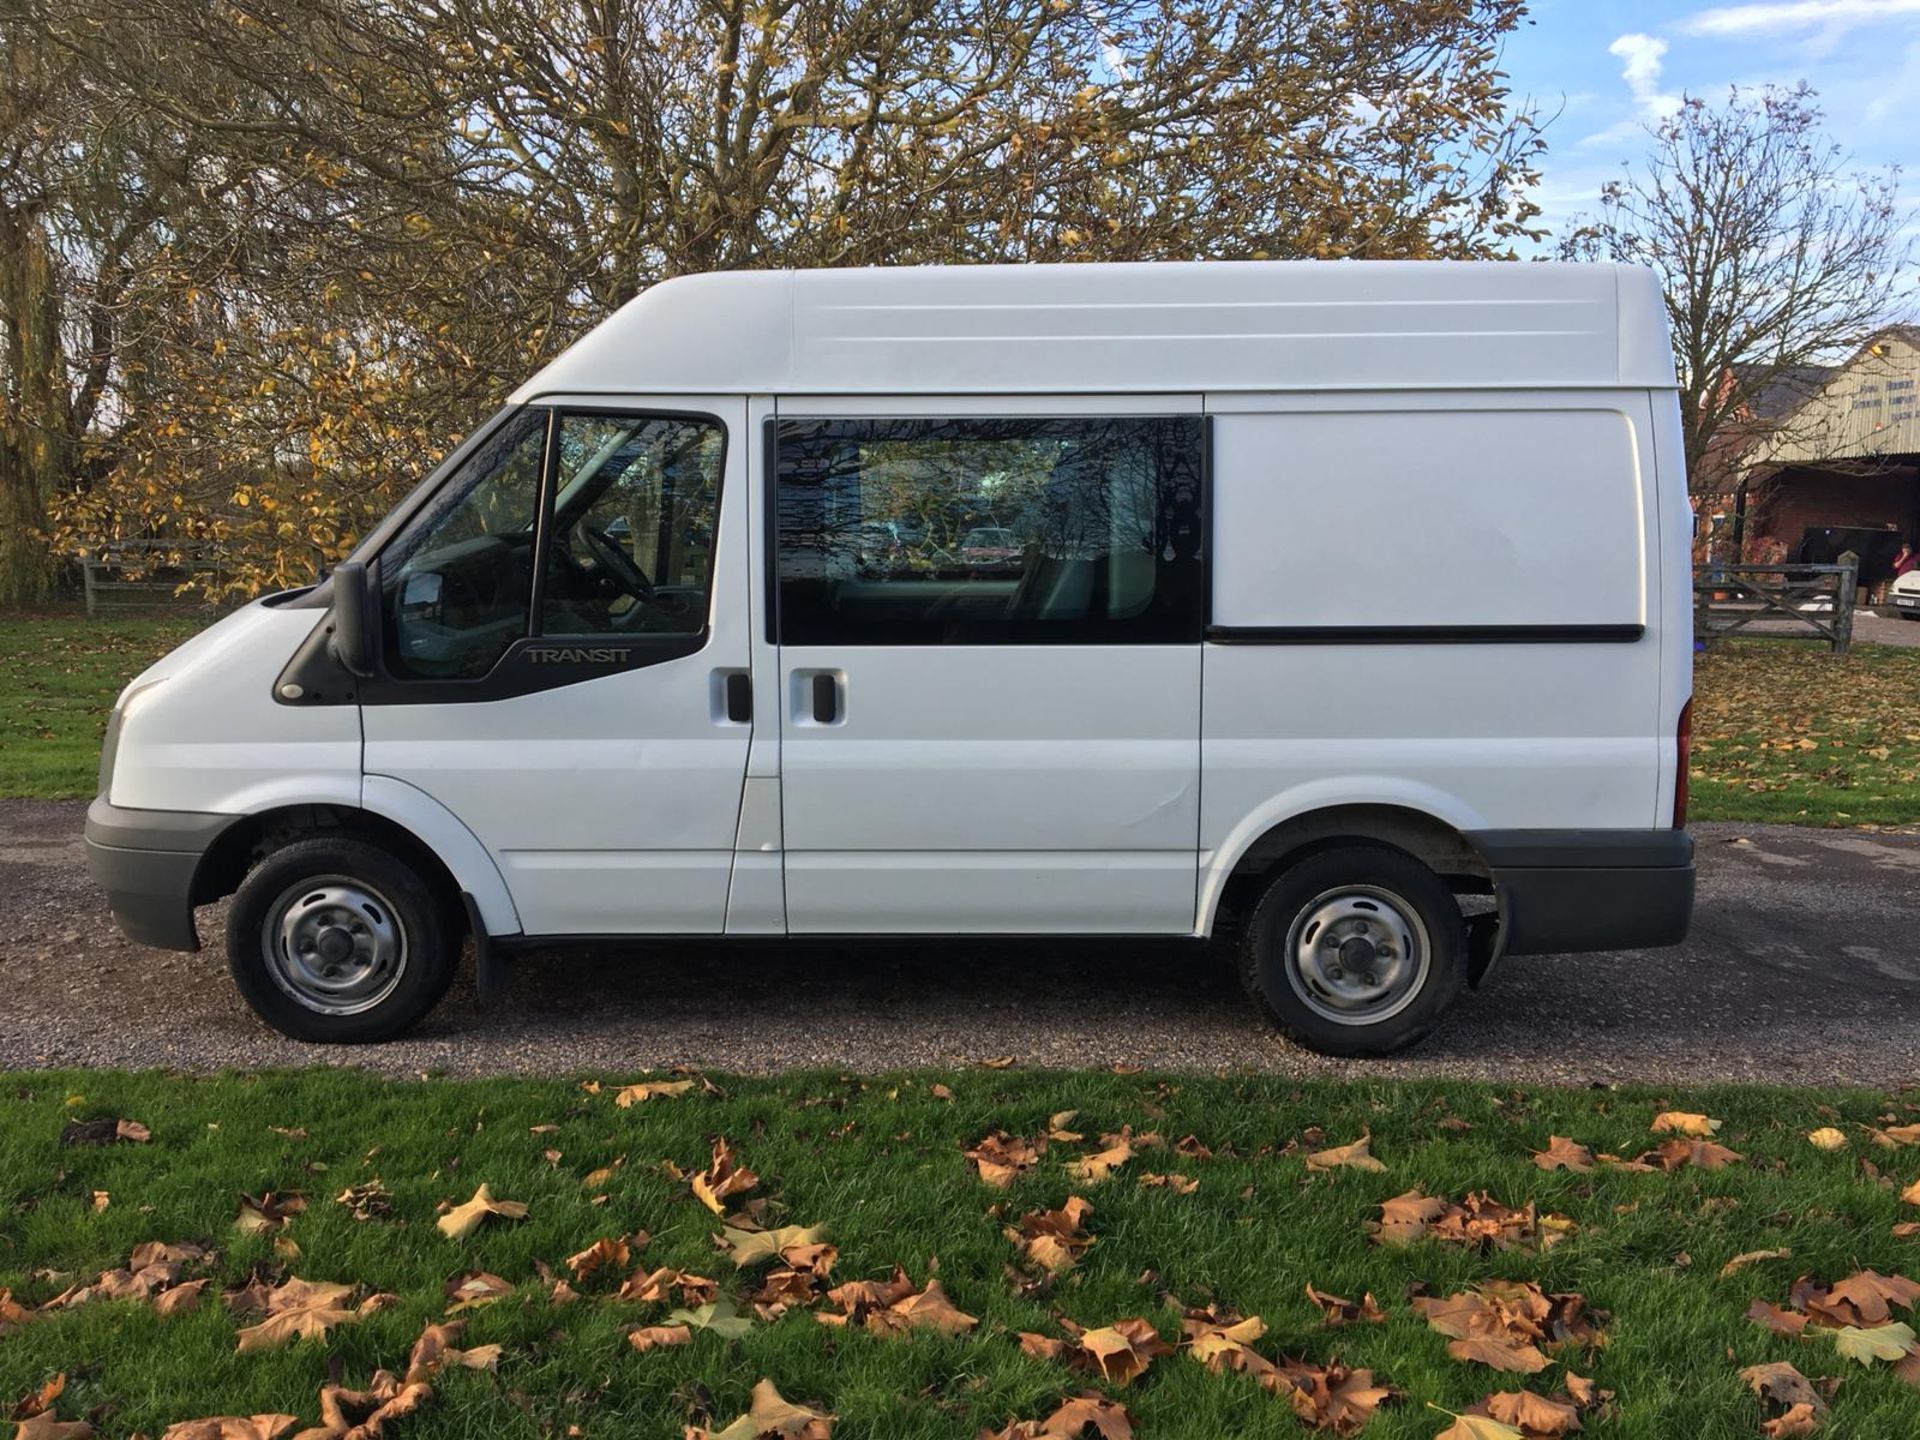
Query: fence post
column 1843, row 603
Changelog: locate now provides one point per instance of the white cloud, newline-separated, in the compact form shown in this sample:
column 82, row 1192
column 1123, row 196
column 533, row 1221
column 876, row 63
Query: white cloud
column 1779, row 17
column 1642, row 57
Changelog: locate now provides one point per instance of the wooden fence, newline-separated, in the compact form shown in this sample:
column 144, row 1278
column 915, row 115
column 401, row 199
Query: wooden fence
column 1778, row 602
column 148, row 575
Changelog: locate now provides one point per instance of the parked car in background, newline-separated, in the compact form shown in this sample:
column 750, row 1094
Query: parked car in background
column 1905, row 595
column 609, row 671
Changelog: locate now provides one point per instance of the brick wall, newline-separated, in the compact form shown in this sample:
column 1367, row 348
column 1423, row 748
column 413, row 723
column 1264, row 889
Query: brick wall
column 1800, row 499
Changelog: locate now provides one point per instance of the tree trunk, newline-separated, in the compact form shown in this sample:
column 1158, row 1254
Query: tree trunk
column 34, row 443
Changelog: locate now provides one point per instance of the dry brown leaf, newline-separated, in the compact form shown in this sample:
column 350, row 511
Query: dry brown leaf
column 1002, row 1158
column 1093, row 1169
column 232, row 1427
column 179, row 1299
column 1357, row 1156
column 475, row 1288
column 1054, row 1239
column 769, row 1415
column 1534, row 1416
column 1478, row 1221
column 608, row 1252
column 462, row 1220
column 1347, row 1312
column 367, row 1201
column 1797, row 1422
column 262, row 1214
column 1701, row 1154
column 1752, row 1257
column 435, row 1351
column 631, row 1095
column 655, row 1285
column 1827, row 1138
column 1912, row 1193
column 723, row 1178
column 1785, row 1391
column 1682, row 1122
column 1563, row 1154
column 1179, row 1184
column 1106, row 1418
column 363, row 1414
column 1779, row 1321
column 297, row 1310
column 1119, row 1353
column 653, row 1337
column 892, row 1307
column 1516, row 1357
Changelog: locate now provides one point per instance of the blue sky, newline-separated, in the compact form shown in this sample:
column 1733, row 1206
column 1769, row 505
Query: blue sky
column 1609, row 66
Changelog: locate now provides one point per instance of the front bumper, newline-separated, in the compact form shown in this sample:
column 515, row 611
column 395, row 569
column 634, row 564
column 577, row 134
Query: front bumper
column 1563, row 892
column 146, row 861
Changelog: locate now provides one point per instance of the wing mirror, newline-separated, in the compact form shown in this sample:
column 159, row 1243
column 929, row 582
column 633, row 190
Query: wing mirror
column 355, row 606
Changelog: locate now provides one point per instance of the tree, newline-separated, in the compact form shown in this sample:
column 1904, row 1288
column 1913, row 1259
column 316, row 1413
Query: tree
column 1774, row 254
column 427, row 197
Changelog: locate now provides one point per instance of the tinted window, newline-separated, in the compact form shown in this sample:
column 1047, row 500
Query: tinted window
column 981, row 531
column 636, row 501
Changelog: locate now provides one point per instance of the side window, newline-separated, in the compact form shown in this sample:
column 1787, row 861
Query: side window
column 459, row 580
column 983, row 531
column 636, row 500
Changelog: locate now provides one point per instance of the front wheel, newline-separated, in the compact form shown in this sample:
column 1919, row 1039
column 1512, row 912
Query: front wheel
column 335, row 940
column 1355, row 951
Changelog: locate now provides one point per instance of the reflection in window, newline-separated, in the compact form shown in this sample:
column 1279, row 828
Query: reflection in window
column 984, row 530
column 633, row 526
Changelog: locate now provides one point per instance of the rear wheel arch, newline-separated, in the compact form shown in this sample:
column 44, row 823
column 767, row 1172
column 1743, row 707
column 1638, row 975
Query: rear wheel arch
column 1435, row 843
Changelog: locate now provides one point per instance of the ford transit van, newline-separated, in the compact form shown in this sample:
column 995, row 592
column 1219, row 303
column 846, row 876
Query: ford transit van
column 1340, row 612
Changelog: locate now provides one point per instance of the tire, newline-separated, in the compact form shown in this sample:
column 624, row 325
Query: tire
column 378, row 947
column 1414, row 928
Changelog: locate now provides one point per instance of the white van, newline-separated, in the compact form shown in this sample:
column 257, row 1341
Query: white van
column 1297, row 603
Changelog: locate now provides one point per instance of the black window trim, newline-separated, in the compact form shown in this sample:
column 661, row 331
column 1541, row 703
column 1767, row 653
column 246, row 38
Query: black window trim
column 537, row 661
column 770, row 444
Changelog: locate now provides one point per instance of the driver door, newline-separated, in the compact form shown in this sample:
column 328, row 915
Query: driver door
column 566, row 644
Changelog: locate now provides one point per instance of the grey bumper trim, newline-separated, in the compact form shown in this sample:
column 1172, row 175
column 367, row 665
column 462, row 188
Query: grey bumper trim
column 1571, row 891
column 146, row 861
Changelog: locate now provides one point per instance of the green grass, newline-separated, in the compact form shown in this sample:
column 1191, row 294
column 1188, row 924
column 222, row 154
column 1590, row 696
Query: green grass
column 878, row 1160
column 1789, row 732
column 58, row 679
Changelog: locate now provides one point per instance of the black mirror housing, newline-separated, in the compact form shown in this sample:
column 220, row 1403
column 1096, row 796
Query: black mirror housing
column 355, row 606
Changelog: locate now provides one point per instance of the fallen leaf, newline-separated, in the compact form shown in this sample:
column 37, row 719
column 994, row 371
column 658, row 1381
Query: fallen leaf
column 435, row 1351
column 297, row 1310
column 462, row 1220
column 104, row 1131
column 475, row 1288
column 367, row 1201
column 263, row 1214
column 1752, row 1257
column 1054, row 1239
column 1119, row 1353
column 893, row 1307
column 653, row 1337
column 233, row 1427
column 604, row 1253
column 631, row 1095
column 768, row 1415
column 1562, row 1154
column 179, row 1299
column 1533, row 1415
column 718, row 1316
column 1002, row 1158
column 1795, row 1423
column 1092, row 1169
column 756, row 1247
column 1179, row 1184
column 1478, row 1221
column 1357, row 1156
column 1891, row 1341
column 723, row 1178
column 1779, row 1321
column 1478, row 1427
column 1681, row 1122
column 1702, row 1154
column 1782, row 1386
column 1827, row 1138
column 1517, row 1357
column 1106, row 1418
column 1347, row 1312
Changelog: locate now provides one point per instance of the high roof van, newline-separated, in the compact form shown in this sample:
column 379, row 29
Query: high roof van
column 1339, row 613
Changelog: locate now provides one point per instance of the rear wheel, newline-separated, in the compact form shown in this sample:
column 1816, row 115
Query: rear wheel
column 1355, row 951
column 333, row 939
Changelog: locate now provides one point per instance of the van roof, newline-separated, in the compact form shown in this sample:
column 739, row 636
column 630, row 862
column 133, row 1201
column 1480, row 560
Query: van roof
column 1149, row 328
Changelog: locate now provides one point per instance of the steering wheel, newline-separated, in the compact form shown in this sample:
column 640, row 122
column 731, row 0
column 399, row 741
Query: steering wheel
column 616, row 565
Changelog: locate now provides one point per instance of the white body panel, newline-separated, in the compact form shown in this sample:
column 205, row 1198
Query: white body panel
column 1393, row 447
column 610, row 806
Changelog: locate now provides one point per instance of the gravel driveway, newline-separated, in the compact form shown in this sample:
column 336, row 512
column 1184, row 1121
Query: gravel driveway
column 1804, row 967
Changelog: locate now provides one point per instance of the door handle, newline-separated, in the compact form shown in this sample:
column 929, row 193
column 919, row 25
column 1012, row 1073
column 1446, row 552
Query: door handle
column 739, row 697
column 826, row 699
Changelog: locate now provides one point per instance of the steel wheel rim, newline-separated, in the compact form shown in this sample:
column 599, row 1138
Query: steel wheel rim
column 334, row 945
column 1357, row 954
